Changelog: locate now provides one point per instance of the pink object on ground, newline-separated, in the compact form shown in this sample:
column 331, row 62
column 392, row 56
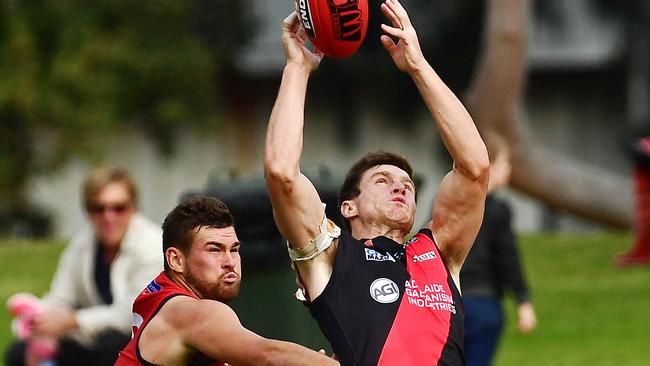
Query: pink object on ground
column 25, row 307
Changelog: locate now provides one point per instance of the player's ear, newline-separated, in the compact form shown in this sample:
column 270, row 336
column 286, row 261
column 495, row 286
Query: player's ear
column 348, row 209
column 175, row 259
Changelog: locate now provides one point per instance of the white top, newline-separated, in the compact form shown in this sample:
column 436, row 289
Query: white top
column 138, row 261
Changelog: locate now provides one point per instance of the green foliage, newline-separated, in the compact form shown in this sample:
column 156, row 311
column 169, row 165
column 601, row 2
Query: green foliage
column 74, row 74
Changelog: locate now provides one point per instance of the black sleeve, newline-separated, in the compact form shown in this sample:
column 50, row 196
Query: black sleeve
column 507, row 259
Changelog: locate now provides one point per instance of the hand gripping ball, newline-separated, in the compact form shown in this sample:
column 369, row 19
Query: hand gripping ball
column 335, row 27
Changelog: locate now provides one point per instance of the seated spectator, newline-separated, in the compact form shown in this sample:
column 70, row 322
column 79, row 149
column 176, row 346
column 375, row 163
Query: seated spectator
column 85, row 319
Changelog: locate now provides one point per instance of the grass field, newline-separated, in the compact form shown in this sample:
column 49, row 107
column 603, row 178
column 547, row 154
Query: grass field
column 590, row 313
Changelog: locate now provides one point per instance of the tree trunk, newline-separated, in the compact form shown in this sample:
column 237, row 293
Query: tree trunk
column 494, row 100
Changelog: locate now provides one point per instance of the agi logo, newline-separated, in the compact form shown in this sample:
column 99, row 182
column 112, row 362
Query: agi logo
column 384, row 291
column 346, row 19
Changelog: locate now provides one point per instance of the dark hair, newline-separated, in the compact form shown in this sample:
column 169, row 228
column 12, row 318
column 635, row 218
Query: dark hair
column 99, row 178
column 350, row 187
column 190, row 215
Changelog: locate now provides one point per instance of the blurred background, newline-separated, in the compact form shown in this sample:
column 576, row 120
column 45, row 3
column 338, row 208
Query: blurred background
column 179, row 93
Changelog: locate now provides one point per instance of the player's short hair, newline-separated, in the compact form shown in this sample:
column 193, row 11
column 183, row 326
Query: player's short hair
column 188, row 217
column 99, row 178
column 350, row 188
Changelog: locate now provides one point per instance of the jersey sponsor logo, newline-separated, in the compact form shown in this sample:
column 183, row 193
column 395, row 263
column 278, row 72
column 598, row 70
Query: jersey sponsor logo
column 384, row 290
column 151, row 288
column 425, row 257
column 429, row 295
column 136, row 320
column 373, row 255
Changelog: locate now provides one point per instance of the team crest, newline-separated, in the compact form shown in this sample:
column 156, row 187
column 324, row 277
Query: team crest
column 412, row 240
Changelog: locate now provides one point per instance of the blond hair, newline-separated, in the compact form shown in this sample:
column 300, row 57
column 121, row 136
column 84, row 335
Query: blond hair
column 98, row 179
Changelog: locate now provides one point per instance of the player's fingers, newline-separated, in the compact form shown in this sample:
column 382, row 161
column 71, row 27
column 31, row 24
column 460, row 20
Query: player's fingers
column 395, row 32
column 390, row 14
column 318, row 54
column 396, row 7
column 302, row 33
column 388, row 43
column 289, row 22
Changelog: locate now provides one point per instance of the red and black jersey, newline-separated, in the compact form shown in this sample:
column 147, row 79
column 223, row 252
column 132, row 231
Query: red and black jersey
column 145, row 307
column 391, row 304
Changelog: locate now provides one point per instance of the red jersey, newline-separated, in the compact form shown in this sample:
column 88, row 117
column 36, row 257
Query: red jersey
column 145, row 307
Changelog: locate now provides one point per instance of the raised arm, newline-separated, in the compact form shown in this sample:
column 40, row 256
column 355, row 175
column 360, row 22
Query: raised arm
column 184, row 326
column 297, row 207
column 458, row 208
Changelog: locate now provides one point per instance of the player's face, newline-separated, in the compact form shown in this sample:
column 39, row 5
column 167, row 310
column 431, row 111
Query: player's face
column 213, row 266
column 110, row 213
column 387, row 195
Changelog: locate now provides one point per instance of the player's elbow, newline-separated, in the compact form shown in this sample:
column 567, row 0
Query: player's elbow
column 478, row 168
column 277, row 173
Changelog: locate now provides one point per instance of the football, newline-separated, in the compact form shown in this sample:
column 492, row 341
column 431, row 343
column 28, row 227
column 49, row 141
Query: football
column 335, row 27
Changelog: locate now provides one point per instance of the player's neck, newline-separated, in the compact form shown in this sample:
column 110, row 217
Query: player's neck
column 182, row 282
column 375, row 230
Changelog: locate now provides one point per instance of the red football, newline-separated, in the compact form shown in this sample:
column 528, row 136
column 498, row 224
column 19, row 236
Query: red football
column 335, row 27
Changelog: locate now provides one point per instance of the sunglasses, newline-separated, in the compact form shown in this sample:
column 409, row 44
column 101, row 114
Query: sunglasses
column 118, row 208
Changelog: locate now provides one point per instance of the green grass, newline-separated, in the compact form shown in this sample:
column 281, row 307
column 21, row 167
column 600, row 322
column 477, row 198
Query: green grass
column 24, row 266
column 590, row 312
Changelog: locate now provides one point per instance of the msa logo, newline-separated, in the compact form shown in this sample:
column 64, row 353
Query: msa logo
column 425, row 257
column 305, row 16
column 384, row 291
column 373, row 255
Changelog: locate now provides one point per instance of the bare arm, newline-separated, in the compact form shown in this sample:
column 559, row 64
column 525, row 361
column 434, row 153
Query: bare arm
column 185, row 326
column 297, row 206
column 458, row 208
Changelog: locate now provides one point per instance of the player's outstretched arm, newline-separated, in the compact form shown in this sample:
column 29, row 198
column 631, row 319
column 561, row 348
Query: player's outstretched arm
column 458, row 207
column 297, row 206
column 213, row 328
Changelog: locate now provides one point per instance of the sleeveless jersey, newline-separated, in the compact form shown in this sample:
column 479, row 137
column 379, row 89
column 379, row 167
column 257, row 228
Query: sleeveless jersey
column 391, row 304
column 145, row 307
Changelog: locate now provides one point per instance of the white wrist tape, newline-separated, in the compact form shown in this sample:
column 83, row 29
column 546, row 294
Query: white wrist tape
column 318, row 244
